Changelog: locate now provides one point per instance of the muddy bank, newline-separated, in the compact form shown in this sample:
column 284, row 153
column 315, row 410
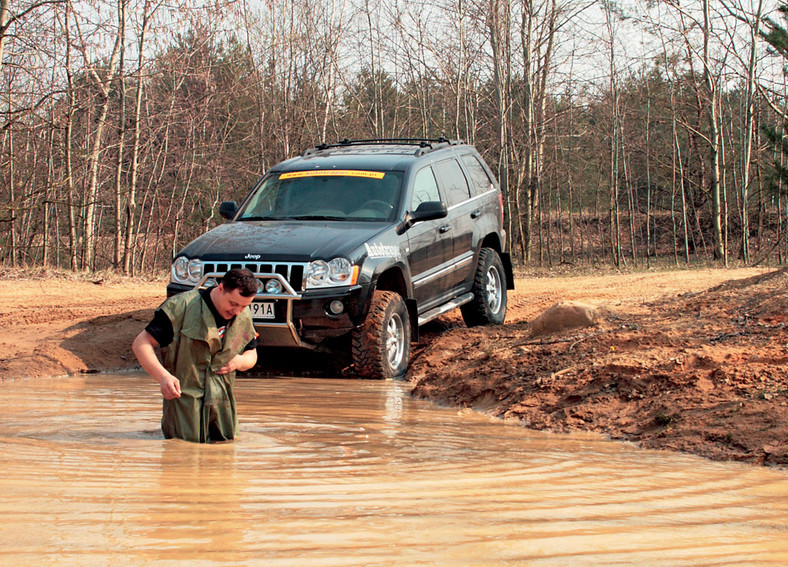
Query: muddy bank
column 702, row 372
column 692, row 361
column 60, row 326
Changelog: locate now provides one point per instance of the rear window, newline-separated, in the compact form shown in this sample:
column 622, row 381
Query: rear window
column 454, row 181
column 480, row 181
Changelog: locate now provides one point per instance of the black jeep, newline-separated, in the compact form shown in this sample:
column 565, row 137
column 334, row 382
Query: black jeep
column 365, row 240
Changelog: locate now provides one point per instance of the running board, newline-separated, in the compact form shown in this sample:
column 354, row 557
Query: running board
column 445, row 308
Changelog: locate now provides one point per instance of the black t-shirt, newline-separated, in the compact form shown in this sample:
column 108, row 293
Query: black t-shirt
column 160, row 328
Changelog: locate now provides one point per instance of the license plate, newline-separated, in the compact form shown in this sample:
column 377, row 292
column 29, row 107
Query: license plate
column 262, row 310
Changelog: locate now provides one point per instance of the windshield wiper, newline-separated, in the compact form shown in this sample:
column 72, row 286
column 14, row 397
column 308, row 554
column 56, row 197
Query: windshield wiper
column 317, row 217
column 259, row 217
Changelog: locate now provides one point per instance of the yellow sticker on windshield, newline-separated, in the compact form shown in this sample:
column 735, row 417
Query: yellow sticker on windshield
column 333, row 173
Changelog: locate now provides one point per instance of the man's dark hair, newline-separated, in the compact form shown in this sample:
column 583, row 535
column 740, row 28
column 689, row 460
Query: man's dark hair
column 241, row 279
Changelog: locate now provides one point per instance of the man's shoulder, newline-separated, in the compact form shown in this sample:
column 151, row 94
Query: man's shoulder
column 180, row 301
column 245, row 318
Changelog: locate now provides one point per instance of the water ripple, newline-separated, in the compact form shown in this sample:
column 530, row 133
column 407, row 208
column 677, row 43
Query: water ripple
column 340, row 472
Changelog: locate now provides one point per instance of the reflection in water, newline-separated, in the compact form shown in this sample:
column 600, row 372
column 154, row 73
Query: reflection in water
column 340, row 472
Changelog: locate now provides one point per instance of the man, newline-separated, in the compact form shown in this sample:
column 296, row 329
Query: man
column 205, row 336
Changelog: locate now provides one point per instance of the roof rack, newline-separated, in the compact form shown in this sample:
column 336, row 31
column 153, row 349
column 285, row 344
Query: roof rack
column 424, row 145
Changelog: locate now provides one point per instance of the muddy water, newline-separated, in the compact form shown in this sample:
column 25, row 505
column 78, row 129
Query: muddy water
column 335, row 472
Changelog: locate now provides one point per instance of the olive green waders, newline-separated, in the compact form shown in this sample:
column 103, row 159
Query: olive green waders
column 206, row 409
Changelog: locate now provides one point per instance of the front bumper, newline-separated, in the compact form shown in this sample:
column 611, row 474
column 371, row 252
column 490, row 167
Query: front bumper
column 303, row 319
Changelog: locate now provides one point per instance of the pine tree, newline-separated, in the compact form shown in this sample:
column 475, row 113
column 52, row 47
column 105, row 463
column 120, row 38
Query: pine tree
column 777, row 38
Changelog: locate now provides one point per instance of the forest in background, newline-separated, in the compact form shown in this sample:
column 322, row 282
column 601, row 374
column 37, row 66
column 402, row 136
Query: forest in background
column 626, row 134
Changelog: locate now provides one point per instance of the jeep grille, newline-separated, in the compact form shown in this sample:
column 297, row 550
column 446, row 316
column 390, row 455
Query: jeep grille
column 293, row 273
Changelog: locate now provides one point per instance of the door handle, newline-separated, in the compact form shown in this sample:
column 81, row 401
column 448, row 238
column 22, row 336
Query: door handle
column 445, row 228
column 476, row 214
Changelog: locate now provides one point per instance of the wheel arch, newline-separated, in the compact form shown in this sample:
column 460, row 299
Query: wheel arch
column 492, row 241
column 393, row 279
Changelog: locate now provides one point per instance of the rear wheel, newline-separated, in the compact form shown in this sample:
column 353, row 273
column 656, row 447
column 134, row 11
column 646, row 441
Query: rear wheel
column 488, row 306
column 381, row 346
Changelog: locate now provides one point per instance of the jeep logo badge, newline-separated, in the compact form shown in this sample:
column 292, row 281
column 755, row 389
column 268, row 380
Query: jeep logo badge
column 252, row 257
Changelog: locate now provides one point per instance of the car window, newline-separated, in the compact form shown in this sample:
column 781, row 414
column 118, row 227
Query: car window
column 454, row 181
column 480, row 181
column 325, row 194
column 425, row 188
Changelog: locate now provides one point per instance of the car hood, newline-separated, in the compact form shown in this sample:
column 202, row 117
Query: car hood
column 292, row 241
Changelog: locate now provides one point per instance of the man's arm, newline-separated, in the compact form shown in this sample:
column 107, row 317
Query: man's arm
column 144, row 347
column 241, row 362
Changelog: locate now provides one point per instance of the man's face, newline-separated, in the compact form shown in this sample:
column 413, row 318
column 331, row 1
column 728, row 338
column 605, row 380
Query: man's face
column 229, row 303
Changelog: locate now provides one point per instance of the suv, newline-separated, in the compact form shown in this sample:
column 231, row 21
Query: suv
column 359, row 243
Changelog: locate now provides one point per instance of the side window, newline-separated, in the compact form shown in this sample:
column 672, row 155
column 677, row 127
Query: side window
column 480, row 181
column 453, row 181
column 424, row 188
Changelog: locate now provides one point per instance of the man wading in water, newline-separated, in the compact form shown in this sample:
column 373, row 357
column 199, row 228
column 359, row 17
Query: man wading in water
column 205, row 336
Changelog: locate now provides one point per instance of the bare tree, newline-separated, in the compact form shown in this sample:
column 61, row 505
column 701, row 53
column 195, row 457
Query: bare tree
column 752, row 18
column 121, row 132
column 67, row 167
column 148, row 11
column 615, row 149
column 715, row 145
column 103, row 82
column 5, row 18
column 499, row 23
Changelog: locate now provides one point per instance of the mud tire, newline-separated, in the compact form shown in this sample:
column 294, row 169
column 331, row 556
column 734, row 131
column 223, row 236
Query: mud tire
column 488, row 306
column 381, row 346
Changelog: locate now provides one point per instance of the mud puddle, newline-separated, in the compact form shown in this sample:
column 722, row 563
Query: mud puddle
column 345, row 472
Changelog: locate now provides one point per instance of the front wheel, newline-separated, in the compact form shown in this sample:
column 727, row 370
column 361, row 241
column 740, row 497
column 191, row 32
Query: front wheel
column 381, row 346
column 488, row 306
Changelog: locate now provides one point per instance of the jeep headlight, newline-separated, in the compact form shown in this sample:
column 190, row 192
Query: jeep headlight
column 316, row 273
column 185, row 270
column 180, row 269
column 339, row 270
column 336, row 272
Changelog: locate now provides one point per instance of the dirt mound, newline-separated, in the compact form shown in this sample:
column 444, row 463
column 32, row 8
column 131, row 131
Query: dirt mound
column 703, row 372
column 566, row 315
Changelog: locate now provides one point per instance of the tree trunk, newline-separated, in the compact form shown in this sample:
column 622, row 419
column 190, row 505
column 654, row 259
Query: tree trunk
column 4, row 21
column 715, row 146
column 498, row 30
column 103, row 85
column 67, row 145
column 116, row 257
column 47, row 201
column 131, row 202
column 529, row 113
column 12, row 206
column 684, row 220
column 748, row 132
column 615, row 242
column 648, row 176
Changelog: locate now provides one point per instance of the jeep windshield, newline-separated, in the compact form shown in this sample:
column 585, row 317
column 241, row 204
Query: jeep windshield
column 325, row 195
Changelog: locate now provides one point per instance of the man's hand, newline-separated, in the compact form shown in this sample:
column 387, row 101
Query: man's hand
column 144, row 347
column 170, row 387
column 240, row 362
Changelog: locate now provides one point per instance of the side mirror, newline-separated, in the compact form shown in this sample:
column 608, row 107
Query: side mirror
column 227, row 209
column 428, row 210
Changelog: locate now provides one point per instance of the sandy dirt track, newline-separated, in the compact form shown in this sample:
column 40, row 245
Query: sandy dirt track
column 694, row 361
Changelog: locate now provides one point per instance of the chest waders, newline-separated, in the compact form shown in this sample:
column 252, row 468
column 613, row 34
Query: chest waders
column 206, row 409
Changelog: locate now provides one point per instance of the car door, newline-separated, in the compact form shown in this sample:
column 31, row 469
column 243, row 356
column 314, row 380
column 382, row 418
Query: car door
column 429, row 245
column 462, row 216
